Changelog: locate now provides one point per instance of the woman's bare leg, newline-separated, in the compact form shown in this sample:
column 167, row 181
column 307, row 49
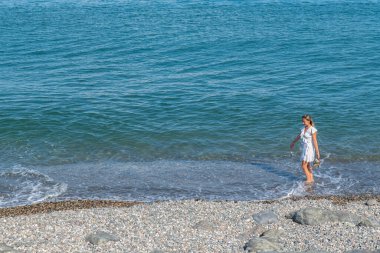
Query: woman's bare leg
column 310, row 171
column 309, row 175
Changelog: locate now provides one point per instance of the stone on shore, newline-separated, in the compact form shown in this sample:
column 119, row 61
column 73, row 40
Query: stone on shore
column 205, row 225
column 362, row 251
column 312, row 251
column 265, row 217
column 272, row 235
column 372, row 202
column 259, row 244
column 194, row 226
column 318, row 216
column 369, row 223
column 6, row 249
column 100, row 237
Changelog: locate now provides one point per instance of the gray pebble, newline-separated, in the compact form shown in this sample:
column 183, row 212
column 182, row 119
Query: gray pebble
column 205, row 225
column 6, row 249
column 369, row 223
column 101, row 236
column 259, row 244
column 312, row 251
column 265, row 217
column 193, row 226
column 272, row 235
column 362, row 251
column 371, row 202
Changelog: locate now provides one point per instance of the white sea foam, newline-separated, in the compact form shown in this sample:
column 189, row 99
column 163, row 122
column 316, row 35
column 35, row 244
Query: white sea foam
column 22, row 186
column 298, row 189
column 175, row 180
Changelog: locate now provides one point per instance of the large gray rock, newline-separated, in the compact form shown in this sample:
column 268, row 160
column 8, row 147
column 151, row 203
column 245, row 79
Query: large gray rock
column 265, row 217
column 272, row 235
column 6, row 249
column 100, row 237
column 362, row 251
column 259, row 244
column 316, row 216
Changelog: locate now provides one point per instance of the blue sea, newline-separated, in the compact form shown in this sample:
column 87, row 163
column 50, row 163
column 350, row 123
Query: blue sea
column 168, row 100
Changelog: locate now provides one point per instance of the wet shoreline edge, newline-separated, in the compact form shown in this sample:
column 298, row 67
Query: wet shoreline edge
column 48, row 207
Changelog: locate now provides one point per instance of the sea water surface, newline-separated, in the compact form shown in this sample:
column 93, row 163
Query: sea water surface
column 155, row 100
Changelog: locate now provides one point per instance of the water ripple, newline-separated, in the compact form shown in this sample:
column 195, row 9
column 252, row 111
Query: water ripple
column 95, row 80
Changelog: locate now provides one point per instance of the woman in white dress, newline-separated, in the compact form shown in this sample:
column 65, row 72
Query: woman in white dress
column 309, row 145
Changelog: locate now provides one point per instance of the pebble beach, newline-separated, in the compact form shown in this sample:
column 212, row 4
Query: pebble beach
column 191, row 226
column 184, row 111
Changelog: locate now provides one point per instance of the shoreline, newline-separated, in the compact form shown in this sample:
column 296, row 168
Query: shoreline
column 342, row 224
column 65, row 205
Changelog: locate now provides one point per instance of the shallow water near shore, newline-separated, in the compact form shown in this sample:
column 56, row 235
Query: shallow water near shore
column 176, row 180
column 156, row 100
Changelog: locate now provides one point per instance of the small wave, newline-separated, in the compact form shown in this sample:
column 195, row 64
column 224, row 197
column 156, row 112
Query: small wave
column 23, row 186
column 325, row 158
column 298, row 189
column 179, row 179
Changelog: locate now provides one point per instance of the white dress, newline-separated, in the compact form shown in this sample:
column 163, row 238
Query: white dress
column 307, row 146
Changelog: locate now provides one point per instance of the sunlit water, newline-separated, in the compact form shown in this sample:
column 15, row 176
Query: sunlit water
column 152, row 100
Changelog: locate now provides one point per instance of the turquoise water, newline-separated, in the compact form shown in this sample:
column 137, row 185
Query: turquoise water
column 147, row 100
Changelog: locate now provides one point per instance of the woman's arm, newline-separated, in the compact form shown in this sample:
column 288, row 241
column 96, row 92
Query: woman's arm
column 315, row 142
column 294, row 141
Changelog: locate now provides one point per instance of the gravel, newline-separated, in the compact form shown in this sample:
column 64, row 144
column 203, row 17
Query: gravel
column 186, row 226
